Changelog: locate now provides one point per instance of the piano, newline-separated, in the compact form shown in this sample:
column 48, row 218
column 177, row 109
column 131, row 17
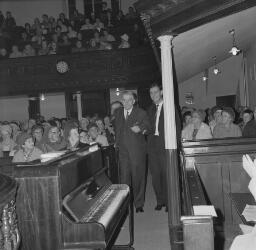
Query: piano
column 70, row 203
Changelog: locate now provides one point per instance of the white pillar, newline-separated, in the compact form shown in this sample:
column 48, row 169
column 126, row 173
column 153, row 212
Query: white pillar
column 168, row 92
column 79, row 105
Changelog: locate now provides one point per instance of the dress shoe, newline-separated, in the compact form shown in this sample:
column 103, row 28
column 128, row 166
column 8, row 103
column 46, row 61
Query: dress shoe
column 139, row 210
column 159, row 207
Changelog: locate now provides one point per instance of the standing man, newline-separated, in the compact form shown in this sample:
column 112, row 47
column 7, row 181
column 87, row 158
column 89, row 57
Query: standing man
column 156, row 147
column 131, row 123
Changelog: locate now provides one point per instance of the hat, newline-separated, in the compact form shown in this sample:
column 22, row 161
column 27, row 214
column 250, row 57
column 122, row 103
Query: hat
column 21, row 138
column 6, row 128
column 125, row 37
column 230, row 111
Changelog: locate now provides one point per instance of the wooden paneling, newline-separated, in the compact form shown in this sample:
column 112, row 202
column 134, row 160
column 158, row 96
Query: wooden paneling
column 87, row 71
column 219, row 163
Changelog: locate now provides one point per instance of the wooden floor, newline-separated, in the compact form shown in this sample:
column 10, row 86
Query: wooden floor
column 150, row 228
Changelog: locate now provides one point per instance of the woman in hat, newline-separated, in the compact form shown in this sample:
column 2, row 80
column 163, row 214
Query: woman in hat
column 197, row 129
column 124, row 42
column 227, row 128
column 27, row 151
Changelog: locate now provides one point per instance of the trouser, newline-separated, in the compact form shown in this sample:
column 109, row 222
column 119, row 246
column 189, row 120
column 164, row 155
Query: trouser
column 133, row 173
column 158, row 170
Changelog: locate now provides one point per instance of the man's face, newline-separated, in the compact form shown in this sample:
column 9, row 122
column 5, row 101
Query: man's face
column 128, row 101
column 38, row 134
column 54, row 134
column 156, row 94
column 226, row 118
column 246, row 117
column 93, row 132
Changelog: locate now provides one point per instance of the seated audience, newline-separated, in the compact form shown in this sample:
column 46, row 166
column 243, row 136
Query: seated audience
column 7, row 144
column 15, row 129
column 71, row 32
column 249, row 123
column 3, row 53
column 27, row 151
column 187, row 118
column 216, row 117
column 15, row 52
column 95, row 136
column 54, row 141
column 124, row 42
column 71, row 135
column 107, row 37
column 79, row 47
column 98, row 24
column 37, row 133
column 227, row 128
column 197, row 129
column 44, row 49
column 87, row 25
column 29, row 50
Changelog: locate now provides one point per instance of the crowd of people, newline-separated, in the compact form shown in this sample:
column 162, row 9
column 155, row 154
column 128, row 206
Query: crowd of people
column 49, row 35
column 218, row 122
column 26, row 141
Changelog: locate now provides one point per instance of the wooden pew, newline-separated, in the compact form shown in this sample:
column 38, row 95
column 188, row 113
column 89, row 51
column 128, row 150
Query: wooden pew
column 219, row 164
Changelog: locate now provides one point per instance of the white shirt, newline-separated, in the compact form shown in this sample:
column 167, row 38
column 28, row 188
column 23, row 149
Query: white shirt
column 158, row 112
column 125, row 113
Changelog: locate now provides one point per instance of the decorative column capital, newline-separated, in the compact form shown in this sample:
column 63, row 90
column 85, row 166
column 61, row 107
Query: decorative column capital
column 165, row 40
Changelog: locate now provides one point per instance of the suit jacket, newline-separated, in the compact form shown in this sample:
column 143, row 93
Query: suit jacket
column 125, row 137
column 152, row 117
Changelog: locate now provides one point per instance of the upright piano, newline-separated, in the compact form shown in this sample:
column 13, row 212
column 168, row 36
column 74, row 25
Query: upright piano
column 70, row 203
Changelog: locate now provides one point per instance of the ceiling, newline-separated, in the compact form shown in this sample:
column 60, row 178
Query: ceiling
column 194, row 49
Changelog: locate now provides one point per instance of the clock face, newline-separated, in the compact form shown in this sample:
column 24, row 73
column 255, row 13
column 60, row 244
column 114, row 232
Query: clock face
column 62, row 67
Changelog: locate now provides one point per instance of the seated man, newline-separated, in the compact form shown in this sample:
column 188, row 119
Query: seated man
column 55, row 142
column 27, row 151
column 249, row 124
column 227, row 128
column 95, row 136
column 197, row 129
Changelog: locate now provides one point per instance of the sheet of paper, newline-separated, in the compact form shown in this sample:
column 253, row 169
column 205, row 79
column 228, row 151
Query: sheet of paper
column 205, row 210
column 249, row 212
column 245, row 228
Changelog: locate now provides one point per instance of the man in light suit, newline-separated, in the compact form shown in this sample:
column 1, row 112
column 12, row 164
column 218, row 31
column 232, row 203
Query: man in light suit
column 131, row 123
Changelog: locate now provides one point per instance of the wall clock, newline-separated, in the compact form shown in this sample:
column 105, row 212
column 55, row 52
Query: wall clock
column 62, row 67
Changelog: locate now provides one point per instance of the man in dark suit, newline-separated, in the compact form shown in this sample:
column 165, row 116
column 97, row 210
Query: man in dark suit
column 131, row 123
column 156, row 146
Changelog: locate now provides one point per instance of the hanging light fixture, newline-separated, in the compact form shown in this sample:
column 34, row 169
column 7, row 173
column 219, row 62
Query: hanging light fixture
column 42, row 97
column 216, row 70
column 117, row 91
column 234, row 50
column 205, row 75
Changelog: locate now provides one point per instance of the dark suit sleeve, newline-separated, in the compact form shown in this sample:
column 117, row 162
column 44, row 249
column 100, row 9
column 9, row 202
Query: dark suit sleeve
column 144, row 123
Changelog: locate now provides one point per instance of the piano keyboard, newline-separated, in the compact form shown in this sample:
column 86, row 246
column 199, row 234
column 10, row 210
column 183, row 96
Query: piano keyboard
column 108, row 204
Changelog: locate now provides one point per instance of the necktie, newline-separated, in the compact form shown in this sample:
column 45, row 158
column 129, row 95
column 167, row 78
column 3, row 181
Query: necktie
column 126, row 114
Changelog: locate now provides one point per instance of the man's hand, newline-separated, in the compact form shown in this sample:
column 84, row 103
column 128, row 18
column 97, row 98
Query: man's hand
column 136, row 129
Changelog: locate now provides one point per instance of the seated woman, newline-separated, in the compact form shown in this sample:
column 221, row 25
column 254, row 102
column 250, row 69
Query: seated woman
column 216, row 115
column 54, row 141
column 249, row 124
column 71, row 135
column 7, row 144
column 37, row 133
column 227, row 128
column 186, row 118
column 27, row 151
column 95, row 136
column 197, row 129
